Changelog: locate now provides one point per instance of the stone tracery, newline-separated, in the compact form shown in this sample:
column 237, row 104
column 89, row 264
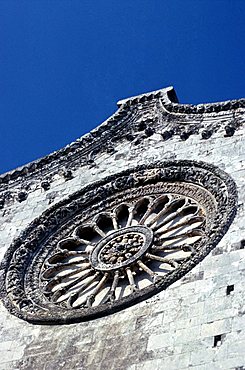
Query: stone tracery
column 123, row 251
column 117, row 242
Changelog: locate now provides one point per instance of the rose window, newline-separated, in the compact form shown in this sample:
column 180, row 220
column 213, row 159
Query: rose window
column 117, row 242
column 123, row 251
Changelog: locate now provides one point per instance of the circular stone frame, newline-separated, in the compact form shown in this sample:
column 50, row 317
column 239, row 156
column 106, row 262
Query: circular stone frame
column 22, row 264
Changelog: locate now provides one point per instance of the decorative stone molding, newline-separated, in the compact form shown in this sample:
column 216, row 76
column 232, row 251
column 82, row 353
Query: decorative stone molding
column 117, row 242
column 136, row 119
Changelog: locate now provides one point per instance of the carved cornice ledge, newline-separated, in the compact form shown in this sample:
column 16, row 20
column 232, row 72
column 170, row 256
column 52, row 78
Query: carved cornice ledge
column 136, row 119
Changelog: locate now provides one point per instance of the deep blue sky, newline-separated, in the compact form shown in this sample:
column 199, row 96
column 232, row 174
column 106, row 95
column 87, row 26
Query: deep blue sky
column 64, row 64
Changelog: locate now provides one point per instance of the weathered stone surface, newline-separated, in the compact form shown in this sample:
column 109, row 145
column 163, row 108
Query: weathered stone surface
column 176, row 328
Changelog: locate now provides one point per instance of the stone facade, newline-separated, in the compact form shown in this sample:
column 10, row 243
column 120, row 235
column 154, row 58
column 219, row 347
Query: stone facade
column 198, row 321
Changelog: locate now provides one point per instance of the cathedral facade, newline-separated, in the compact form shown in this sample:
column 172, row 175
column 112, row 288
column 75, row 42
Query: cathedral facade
column 125, row 249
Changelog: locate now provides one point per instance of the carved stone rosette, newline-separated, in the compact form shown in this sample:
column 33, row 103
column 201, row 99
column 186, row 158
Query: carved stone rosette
column 117, row 242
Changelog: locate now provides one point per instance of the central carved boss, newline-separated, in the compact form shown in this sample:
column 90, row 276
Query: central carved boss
column 121, row 248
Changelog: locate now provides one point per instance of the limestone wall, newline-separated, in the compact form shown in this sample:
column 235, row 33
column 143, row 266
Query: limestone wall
column 197, row 323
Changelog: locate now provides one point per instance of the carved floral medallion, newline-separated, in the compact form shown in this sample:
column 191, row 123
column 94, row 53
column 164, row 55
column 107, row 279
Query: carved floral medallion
column 117, row 242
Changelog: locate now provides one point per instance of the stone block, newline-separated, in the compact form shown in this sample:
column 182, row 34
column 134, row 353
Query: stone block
column 159, row 341
column 238, row 323
column 201, row 357
column 216, row 327
column 174, row 362
column 187, row 335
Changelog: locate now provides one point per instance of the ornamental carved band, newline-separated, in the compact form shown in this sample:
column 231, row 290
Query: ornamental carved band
column 117, row 241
